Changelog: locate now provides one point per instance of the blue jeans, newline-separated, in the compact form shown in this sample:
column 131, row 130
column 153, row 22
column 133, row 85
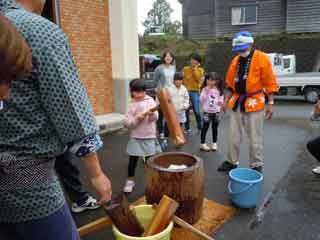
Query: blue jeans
column 195, row 103
column 58, row 226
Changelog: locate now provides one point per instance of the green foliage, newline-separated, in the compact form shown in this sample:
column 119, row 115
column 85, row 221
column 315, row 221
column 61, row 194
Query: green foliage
column 159, row 15
column 174, row 42
column 174, row 28
column 217, row 54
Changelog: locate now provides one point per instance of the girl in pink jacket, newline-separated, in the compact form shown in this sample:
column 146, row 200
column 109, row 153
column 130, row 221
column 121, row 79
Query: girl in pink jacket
column 142, row 123
column 211, row 99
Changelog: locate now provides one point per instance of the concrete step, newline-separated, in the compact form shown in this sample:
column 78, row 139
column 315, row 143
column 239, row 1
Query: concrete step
column 110, row 122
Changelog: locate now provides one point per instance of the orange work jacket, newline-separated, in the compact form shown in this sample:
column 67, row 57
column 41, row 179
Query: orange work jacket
column 261, row 79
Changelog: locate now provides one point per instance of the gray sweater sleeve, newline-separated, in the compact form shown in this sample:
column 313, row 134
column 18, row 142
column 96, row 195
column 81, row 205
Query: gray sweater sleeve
column 157, row 77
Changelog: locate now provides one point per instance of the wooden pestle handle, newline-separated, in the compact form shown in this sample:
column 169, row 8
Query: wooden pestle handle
column 162, row 217
column 171, row 117
column 191, row 228
column 157, row 107
column 94, row 226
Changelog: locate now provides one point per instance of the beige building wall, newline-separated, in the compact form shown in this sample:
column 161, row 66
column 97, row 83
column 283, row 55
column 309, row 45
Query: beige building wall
column 125, row 49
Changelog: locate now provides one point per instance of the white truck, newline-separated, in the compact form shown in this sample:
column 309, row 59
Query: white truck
column 292, row 83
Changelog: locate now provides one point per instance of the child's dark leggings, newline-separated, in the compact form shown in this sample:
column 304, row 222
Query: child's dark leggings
column 208, row 118
column 133, row 162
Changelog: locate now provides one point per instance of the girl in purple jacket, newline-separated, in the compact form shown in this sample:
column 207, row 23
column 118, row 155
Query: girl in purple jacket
column 141, row 122
column 211, row 99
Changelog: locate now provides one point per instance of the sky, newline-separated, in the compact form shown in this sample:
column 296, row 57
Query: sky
column 144, row 7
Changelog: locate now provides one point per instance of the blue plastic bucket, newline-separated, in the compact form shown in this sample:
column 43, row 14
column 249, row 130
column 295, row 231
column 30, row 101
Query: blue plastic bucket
column 244, row 187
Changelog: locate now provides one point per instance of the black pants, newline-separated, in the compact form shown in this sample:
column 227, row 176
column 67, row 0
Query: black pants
column 133, row 162
column 160, row 123
column 208, row 118
column 166, row 130
column 314, row 148
column 69, row 174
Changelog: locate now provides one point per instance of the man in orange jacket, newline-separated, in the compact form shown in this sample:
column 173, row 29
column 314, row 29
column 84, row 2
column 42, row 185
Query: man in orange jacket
column 251, row 84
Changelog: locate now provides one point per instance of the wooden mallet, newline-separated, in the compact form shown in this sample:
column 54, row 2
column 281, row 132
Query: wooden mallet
column 171, row 117
column 123, row 217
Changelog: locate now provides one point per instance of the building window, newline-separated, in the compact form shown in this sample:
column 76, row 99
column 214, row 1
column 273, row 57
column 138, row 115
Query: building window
column 50, row 11
column 244, row 15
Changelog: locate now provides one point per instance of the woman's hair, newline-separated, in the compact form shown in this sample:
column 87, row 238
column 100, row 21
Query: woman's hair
column 196, row 56
column 15, row 54
column 214, row 76
column 137, row 85
column 165, row 53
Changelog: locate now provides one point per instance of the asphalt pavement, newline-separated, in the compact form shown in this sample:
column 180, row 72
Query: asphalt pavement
column 288, row 206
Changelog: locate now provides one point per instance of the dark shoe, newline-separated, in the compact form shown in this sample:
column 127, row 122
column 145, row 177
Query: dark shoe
column 258, row 169
column 226, row 167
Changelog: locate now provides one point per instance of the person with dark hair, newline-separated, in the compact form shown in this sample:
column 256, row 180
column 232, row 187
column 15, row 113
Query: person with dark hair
column 192, row 79
column 211, row 99
column 163, row 78
column 180, row 99
column 141, row 121
column 47, row 111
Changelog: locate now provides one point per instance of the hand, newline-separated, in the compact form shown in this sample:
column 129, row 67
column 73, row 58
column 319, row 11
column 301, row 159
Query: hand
column 317, row 108
column 269, row 111
column 150, row 113
column 224, row 106
column 140, row 116
column 195, row 64
column 102, row 185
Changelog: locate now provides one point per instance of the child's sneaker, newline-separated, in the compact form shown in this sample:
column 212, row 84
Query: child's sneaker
column 204, row 147
column 89, row 204
column 161, row 135
column 164, row 145
column 128, row 188
column 188, row 131
column 214, row 147
column 316, row 170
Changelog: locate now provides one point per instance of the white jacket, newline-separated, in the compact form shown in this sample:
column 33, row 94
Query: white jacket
column 179, row 98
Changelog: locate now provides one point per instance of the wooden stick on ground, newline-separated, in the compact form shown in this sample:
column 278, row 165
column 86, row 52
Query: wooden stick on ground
column 191, row 228
column 94, row 226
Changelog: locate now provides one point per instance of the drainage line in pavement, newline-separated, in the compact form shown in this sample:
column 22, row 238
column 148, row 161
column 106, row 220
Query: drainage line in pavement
column 258, row 218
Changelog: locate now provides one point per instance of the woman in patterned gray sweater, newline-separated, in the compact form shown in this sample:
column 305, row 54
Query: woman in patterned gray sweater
column 45, row 111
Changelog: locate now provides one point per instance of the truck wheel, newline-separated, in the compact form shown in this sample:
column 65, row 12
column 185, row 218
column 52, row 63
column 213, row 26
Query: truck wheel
column 311, row 95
